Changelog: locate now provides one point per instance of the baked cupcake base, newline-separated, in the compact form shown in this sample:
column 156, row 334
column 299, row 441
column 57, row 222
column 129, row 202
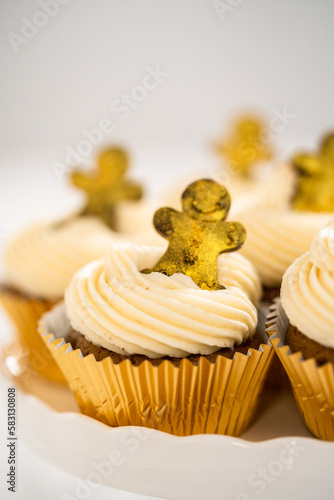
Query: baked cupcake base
column 25, row 313
column 312, row 383
column 78, row 341
column 270, row 294
column 299, row 342
column 183, row 398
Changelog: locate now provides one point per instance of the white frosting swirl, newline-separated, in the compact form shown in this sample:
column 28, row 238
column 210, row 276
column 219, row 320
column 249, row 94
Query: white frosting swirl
column 308, row 290
column 275, row 238
column 322, row 249
column 136, row 218
column 235, row 270
column 41, row 260
column 271, row 188
column 268, row 185
column 116, row 306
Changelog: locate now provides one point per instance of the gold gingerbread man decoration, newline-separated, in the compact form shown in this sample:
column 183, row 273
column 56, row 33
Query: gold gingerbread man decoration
column 198, row 235
column 245, row 146
column 315, row 185
column 106, row 187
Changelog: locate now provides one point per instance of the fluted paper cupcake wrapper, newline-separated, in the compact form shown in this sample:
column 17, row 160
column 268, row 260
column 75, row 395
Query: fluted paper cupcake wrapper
column 189, row 399
column 25, row 314
column 312, row 385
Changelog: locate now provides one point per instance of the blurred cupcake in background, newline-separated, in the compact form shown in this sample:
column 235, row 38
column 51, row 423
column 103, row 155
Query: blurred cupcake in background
column 244, row 157
column 281, row 227
column 167, row 340
column 245, row 165
column 245, row 147
column 301, row 328
column 243, row 161
column 249, row 165
column 40, row 261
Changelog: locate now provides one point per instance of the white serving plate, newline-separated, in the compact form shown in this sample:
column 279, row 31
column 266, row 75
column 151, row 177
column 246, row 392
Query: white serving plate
column 276, row 456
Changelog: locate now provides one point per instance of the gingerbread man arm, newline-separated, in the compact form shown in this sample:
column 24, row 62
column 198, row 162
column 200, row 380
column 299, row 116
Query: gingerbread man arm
column 132, row 191
column 307, row 164
column 233, row 236
column 81, row 180
column 164, row 221
column 327, row 146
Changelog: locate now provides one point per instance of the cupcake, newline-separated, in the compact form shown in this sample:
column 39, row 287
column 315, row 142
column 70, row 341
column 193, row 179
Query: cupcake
column 243, row 157
column 40, row 261
column 280, row 229
column 301, row 326
column 167, row 340
column 245, row 147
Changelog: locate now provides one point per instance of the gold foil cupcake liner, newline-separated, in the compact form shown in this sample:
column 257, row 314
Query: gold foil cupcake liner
column 312, row 385
column 182, row 400
column 25, row 314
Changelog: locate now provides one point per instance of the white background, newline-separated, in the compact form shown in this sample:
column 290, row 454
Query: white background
column 257, row 55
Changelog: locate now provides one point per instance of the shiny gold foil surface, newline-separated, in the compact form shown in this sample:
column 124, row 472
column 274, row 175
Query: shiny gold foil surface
column 312, row 385
column 25, row 314
column 315, row 185
column 198, row 234
column 245, row 146
column 106, row 187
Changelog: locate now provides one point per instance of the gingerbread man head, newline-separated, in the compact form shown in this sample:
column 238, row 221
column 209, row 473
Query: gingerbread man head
column 206, row 200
